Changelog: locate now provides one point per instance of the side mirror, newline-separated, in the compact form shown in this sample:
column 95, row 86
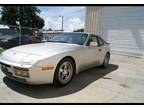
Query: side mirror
column 93, row 44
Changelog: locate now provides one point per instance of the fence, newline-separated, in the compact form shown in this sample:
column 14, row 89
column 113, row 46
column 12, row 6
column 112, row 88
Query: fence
column 11, row 36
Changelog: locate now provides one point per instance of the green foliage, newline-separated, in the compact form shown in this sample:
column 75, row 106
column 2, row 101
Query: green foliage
column 79, row 30
column 2, row 22
column 1, row 49
column 27, row 16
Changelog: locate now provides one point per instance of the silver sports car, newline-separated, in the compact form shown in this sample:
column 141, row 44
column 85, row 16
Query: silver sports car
column 57, row 60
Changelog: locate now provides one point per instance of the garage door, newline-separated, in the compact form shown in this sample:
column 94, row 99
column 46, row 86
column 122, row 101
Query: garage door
column 123, row 28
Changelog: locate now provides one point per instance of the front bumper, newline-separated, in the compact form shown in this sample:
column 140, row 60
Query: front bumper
column 9, row 74
column 36, row 75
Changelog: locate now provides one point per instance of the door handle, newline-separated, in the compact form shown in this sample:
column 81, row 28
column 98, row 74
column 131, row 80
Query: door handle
column 99, row 49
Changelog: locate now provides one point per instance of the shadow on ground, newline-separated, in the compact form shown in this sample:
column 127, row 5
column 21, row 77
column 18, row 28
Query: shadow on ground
column 79, row 82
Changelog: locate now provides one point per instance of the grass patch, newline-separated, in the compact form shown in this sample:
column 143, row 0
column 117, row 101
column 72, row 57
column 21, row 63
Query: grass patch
column 1, row 50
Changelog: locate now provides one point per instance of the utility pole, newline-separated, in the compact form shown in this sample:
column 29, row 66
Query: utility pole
column 62, row 19
column 19, row 24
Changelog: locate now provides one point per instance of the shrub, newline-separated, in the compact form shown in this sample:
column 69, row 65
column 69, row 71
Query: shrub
column 1, row 49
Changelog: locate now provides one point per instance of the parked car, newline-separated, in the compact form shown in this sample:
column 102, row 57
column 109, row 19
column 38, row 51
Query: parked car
column 6, row 34
column 12, row 41
column 55, row 61
column 36, row 39
column 4, row 39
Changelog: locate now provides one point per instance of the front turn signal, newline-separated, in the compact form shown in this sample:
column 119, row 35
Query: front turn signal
column 47, row 68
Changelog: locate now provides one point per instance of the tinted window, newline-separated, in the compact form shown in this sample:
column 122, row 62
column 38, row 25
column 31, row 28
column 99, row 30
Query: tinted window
column 25, row 38
column 14, row 39
column 103, row 40
column 100, row 40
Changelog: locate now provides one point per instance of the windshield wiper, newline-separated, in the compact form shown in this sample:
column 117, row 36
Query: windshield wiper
column 56, row 41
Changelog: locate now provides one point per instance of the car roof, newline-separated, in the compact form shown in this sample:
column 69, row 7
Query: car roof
column 75, row 32
column 81, row 33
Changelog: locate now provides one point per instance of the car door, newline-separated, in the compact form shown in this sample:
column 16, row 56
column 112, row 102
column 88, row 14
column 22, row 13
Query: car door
column 25, row 40
column 13, row 42
column 101, row 49
column 91, row 53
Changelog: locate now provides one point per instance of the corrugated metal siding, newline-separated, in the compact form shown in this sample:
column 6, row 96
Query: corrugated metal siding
column 122, row 27
column 92, row 24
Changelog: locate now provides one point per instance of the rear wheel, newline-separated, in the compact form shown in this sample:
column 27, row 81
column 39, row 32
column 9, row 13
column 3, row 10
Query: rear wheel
column 106, row 61
column 64, row 72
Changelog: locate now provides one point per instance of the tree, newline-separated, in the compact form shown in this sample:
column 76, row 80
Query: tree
column 79, row 30
column 50, row 29
column 2, row 22
column 26, row 16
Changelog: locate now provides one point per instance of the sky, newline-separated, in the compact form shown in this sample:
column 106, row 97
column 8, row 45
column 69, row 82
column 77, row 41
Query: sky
column 74, row 17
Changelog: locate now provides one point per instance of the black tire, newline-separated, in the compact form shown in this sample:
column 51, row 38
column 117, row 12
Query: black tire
column 106, row 61
column 58, row 80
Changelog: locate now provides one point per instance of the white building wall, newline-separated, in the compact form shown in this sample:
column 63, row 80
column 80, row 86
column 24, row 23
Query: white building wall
column 122, row 27
column 93, row 20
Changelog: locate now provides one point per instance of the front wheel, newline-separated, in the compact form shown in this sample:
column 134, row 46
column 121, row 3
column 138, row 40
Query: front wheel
column 106, row 61
column 64, row 72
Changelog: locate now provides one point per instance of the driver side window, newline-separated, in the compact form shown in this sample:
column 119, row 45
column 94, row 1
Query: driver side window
column 92, row 39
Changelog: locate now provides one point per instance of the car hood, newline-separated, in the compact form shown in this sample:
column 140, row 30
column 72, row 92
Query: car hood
column 31, row 52
column 45, row 48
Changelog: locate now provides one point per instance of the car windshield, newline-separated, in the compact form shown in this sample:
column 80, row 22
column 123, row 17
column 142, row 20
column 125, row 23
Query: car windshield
column 7, row 37
column 72, row 38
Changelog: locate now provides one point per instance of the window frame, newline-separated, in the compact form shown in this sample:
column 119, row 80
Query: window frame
column 102, row 40
column 91, row 35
